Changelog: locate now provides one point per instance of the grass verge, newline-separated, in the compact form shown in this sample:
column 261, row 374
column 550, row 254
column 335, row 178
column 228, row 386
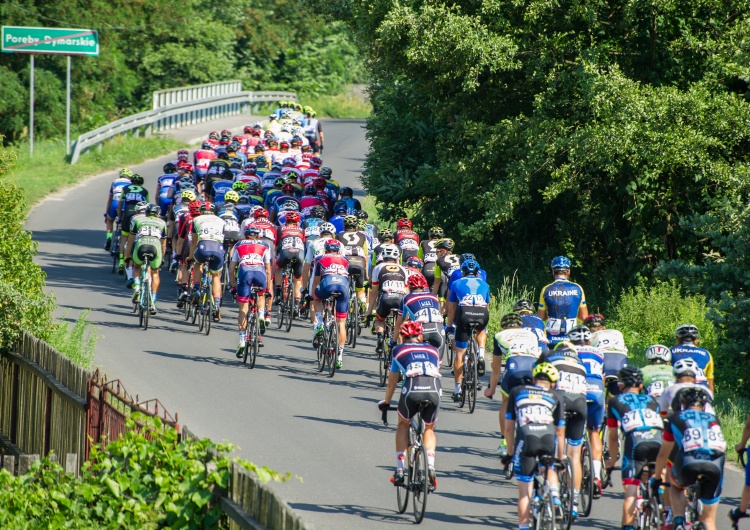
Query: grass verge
column 77, row 341
column 48, row 171
column 338, row 106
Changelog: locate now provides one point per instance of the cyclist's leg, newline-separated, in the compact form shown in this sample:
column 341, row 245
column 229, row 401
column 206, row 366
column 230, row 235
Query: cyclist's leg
column 677, row 488
column 574, row 430
column 297, row 274
column 594, row 418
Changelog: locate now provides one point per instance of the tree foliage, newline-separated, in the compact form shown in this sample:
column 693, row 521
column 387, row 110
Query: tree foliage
column 155, row 44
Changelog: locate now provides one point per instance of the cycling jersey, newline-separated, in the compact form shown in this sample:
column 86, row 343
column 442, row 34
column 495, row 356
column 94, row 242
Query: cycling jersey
column 420, row 364
column 470, row 291
column 391, row 278
column 218, row 189
column 535, row 324
column 701, row 356
column 291, row 248
column 114, row 191
column 334, row 278
column 656, row 378
column 518, row 371
column 307, row 203
column 669, row 401
column 282, row 200
column 354, row 244
column 132, row 195
column 252, row 257
column 593, row 360
column 515, row 341
column 408, row 242
column 338, row 222
column 421, row 307
column 201, row 161
column 571, row 386
column 561, row 300
column 457, row 274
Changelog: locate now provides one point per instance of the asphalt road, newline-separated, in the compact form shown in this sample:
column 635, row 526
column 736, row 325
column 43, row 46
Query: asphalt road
column 282, row 414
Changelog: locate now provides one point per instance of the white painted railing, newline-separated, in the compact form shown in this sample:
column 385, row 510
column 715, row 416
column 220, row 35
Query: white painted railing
column 179, row 114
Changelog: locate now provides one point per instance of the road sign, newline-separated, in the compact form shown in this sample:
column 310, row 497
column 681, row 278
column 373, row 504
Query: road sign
column 64, row 41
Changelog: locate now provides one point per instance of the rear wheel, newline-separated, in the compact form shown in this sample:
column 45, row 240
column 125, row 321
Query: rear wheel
column 587, row 484
column 546, row 519
column 471, row 383
column 322, row 358
column 421, row 484
column 289, row 305
column 566, row 495
column 383, row 363
column 332, row 349
column 146, row 297
column 209, row 317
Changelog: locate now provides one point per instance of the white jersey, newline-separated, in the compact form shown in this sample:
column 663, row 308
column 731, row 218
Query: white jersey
column 518, row 341
column 209, row 228
column 315, row 250
column 665, row 400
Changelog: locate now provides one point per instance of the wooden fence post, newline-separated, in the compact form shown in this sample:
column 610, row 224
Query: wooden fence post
column 9, row 464
column 14, row 404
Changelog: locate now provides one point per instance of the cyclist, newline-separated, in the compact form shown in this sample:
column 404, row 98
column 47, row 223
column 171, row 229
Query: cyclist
column 612, row 345
column 561, row 302
column 202, row 158
column 593, row 360
column 517, row 349
column 419, row 362
column 309, row 201
column 413, row 265
column 339, row 213
column 280, row 202
column 184, row 235
column 314, row 132
column 207, row 250
column 113, row 201
column 269, row 236
column 687, row 373
column 534, row 426
column 468, row 306
column 315, row 248
column 445, row 265
column 253, row 260
column 657, row 374
column 130, row 196
column 217, row 186
column 164, row 185
column 687, row 346
column 148, row 235
column 346, row 196
column 331, row 276
column 406, row 239
column 595, row 322
column 740, row 512
column 420, row 305
column 638, row 416
column 694, row 443
column 386, row 238
column 290, row 249
column 331, row 186
column 428, row 253
column 525, row 309
column 388, row 289
column 355, row 248
column 572, row 390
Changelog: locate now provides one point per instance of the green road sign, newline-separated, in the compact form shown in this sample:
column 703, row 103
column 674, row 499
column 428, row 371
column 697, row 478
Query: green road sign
column 65, row 41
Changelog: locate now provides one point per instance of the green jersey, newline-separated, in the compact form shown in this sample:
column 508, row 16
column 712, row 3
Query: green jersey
column 656, row 378
column 148, row 228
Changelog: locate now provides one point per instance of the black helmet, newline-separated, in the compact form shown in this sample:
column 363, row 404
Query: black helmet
column 210, row 208
column 223, row 155
column 694, row 395
column 435, row 233
column 137, row 180
column 522, row 305
column 565, row 348
column 445, row 244
column 362, row 214
column 630, row 376
column 311, row 190
column 318, row 212
column 686, row 332
column 325, row 172
column 511, row 320
column 346, row 191
column 152, row 210
column 169, row 167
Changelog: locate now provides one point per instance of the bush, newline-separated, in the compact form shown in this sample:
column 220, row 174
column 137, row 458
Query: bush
column 502, row 302
column 76, row 342
column 144, row 480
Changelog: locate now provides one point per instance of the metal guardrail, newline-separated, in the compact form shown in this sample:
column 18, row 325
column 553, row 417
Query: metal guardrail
column 170, row 96
column 178, row 115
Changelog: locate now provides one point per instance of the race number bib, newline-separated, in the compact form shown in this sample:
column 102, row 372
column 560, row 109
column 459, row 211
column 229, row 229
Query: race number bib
column 292, row 243
column 695, row 438
column 560, row 326
column 428, row 314
column 656, row 388
column 573, row 383
column 420, row 368
column 640, row 419
column 408, row 244
column 534, row 414
column 149, row 231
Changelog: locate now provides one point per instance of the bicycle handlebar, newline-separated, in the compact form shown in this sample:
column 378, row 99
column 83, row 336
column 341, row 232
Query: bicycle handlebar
column 385, row 414
column 741, row 456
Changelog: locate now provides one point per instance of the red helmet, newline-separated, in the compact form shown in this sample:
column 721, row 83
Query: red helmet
column 316, row 161
column 414, row 262
column 284, row 145
column 260, row 212
column 226, row 132
column 213, row 135
column 247, row 129
column 195, row 208
column 286, row 188
column 319, row 183
column 187, row 166
column 292, row 217
column 417, row 281
column 404, row 223
column 411, row 328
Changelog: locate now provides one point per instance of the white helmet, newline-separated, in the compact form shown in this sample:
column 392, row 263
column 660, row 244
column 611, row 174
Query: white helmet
column 609, row 340
column 686, row 366
column 326, row 227
column 389, row 251
column 659, row 352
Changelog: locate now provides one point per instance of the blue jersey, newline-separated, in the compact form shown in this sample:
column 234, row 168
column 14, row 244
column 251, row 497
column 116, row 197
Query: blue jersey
column 220, row 187
column 561, row 300
column 457, row 275
column 593, row 360
column 701, row 356
column 284, row 199
column 414, row 359
column 421, row 307
column 243, row 211
column 338, row 222
column 470, row 291
column 695, row 431
column 535, row 324
column 352, row 205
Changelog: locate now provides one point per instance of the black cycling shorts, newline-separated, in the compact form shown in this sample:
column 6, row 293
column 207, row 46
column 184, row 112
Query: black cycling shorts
column 531, row 441
column 434, row 334
column 641, row 454
column 387, row 302
column 429, row 273
column 686, row 468
column 286, row 256
column 466, row 316
column 575, row 411
column 418, row 389
column 357, row 268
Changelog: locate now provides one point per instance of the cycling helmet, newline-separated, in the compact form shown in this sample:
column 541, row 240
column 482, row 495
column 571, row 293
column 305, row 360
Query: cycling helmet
column 630, row 376
column 260, row 148
column 288, row 162
column 340, row 207
column 318, row 212
column 236, row 163
column 311, row 191
column 213, row 135
column 511, row 320
column 223, row 155
column 141, row 206
column 316, row 162
column 411, row 328
column 417, row 281
column 346, row 191
column 445, row 244
column 470, row 266
column 685, row 367
column 239, row 186
column 226, row 132
column 332, row 245
column 362, row 214
column 273, row 144
column 386, row 233
column 126, row 173
column 152, row 210
column 292, row 217
column 210, row 208
column 307, row 148
column 319, row 183
column 596, row 318
column 658, row 352
column 609, row 340
column 231, row 196
column 545, row 371
column 291, row 178
column 296, row 141
column 466, row 257
column 260, row 212
column 580, row 335
column 244, row 197
column 207, row 146
column 350, row 222
column 289, row 206
column 560, row 263
column 188, row 196
column 279, row 182
column 183, row 154
column 435, row 233
column 284, row 145
column 694, row 396
column 361, row 224
column 195, row 208
column 327, row 228
column 325, row 171
column 686, row 332
column 401, row 223
column 136, row 179
column 414, row 262
column 389, row 252
column 287, row 188
column 252, row 230
column 565, row 348
column 524, row 305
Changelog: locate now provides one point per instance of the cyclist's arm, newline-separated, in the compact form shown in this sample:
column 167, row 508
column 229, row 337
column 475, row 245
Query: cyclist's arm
column 397, row 328
column 510, row 433
column 109, row 201
column 193, row 246
column 392, row 382
column 497, row 363
column 614, row 442
column 451, row 312
column 542, row 311
column 374, row 292
column 709, row 372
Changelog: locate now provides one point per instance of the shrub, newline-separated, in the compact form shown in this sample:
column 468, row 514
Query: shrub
column 502, row 301
column 77, row 342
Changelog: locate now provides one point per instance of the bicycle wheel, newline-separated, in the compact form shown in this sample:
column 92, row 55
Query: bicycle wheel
column 282, row 313
column 146, row 297
column 546, row 517
column 289, row 305
column 449, row 351
column 472, row 383
column 420, row 484
column 566, row 495
column 202, row 309
column 332, row 349
column 354, row 312
column 209, row 316
column 322, row 353
column 587, row 483
column 252, row 345
column 402, row 493
column 606, row 479
column 249, row 322
column 383, row 363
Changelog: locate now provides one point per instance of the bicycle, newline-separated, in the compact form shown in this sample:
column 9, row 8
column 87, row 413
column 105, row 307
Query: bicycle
column 416, row 476
column 648, row 507
column 384, row 359
column 470, row 381
column 286, row 307
column 587, row 481
column 543, row 516
column 114, row 249
column 565, row 475
column 252, row 328
column 607, row 477
column 328, row 343
column 205, row 307
column 693, row 504
column 145, row 301
column 353, row 320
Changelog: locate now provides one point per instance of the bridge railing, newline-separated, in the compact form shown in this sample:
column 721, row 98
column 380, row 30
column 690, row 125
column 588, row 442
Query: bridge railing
column 187, row 111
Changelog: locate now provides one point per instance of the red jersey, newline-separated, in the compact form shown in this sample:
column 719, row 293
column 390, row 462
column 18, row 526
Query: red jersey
column 292, row 239
column 267, row 230
column 307, row 203
column 407, row 240
column 251, row 254
column 184, row 225
column 332, row 264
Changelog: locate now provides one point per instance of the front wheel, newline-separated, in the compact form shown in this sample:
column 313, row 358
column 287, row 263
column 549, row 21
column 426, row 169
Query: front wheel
column 209, row 317
column 546, row 516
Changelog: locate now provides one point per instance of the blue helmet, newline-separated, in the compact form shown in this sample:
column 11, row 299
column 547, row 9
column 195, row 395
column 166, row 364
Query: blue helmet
column 560, row 262
column 466, row 257
column 470, row 266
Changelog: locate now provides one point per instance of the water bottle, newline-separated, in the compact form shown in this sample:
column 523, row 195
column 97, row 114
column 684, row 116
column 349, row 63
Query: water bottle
column 639, row 504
